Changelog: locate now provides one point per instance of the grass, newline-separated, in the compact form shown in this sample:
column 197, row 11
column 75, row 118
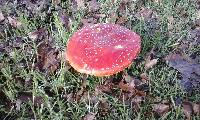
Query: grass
column 19, row 76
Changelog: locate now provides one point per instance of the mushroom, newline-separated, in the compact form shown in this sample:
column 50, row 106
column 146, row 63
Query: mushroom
column 102, row 49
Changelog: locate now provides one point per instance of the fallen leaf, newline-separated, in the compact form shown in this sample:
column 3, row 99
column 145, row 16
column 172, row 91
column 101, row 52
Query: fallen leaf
column 196, row 108
column 121, row 20
column 151, row 59
column 47, row 61
column 14, row 22
column 132, row 88
column 189, row 69
column 144, row 13
column 136, row 103
column 126, row 87
column 191, row 41
column 39, row 33
column 107, row 88
column 51, row 62
column 103, row 108
column 151, row 63
column 188, row 110
column 134, row 83
column 89, row 116
column 161, row 109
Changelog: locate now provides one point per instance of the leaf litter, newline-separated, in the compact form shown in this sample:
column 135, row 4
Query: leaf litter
column 89, row 116
column 161, row 109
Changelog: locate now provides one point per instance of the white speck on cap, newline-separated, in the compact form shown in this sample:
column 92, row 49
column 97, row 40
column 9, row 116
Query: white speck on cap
column 119, row 47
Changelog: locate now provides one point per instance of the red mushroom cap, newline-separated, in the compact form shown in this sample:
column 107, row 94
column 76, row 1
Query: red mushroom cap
column 102, row 49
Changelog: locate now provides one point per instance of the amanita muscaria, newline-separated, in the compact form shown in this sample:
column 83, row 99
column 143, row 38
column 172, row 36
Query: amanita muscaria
column 102, row 49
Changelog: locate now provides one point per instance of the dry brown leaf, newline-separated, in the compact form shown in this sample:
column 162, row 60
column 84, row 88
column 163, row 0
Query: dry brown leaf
column 89, row 116
column 151, row 59
column 136, row 102
column 80, row 94
column 47, row 61
column 107, row 87
column 145, row 14
column 103, row 88
column 103, row 108
column 51, row 61
column 135, row 84
column 37, row 33
column 187, row 109
column 196, row 108
column 14, row 22
column 161, row 109
column 121, row 20
column 151, row 63
column 125, row 86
